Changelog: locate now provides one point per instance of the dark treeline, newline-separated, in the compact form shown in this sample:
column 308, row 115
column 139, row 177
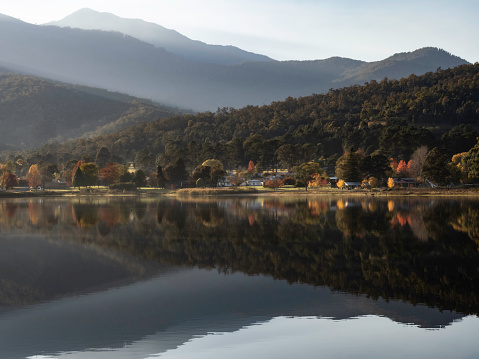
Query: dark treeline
column 395, row 117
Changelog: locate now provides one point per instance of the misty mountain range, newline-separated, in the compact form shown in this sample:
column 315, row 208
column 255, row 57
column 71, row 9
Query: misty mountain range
column 149, row 61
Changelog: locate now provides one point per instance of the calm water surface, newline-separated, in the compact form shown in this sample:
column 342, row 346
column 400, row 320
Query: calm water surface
column 239, row 278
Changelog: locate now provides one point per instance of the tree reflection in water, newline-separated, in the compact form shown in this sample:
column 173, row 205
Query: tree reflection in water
column 419, row 250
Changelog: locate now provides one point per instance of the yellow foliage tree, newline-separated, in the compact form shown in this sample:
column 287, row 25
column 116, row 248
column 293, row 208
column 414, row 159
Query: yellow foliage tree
column 317, row 181
column 340, row 184
column 391, row 183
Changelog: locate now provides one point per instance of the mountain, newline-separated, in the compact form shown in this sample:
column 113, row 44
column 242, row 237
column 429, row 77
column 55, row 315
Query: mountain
column 34, row 111
column 119, row 62
column 159, row 36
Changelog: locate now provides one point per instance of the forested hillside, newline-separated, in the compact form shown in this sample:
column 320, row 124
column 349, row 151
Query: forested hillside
column 394, row 117
column 34, row 111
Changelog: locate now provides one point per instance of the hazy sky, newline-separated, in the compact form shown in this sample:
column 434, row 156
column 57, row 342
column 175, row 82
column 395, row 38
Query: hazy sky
column 367, row 30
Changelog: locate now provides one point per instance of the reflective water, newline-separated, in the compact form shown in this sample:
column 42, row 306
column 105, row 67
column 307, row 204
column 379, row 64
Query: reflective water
column 239, row 277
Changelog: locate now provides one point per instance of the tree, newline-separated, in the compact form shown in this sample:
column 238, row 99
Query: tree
column 103, row 156
column 276, row 183
column 140, row 179
column 213, row 163
column 47, row 172
column 416, row 164
column 305, row 172
column 402, row 169
column 391, row 183
column 373, row 182
column 287, row 155
column 340, row 184
column 376, row 165
column 348, row 166
column 90, row 173
column 201, row 172
column 78, row 179
column 161, row 180
column 200, row 183
column 175, row 171
column 10, row 181
column 436, row 167
column 145, row 161
column 33, row 176
column 110, row 173
column 470, row 163
column 236, row 180
column 251, row 168
column 124, row 175
column 318, row 181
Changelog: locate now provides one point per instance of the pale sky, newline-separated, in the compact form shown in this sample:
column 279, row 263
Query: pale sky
column 368, row 30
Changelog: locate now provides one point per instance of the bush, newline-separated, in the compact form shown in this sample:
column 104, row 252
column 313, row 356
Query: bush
column 299, row 183
column 123, row 186
column 289, row 181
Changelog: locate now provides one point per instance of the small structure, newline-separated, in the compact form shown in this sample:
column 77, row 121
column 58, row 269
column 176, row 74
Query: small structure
column 406, row 182
column 352, row 185
column 254, row 182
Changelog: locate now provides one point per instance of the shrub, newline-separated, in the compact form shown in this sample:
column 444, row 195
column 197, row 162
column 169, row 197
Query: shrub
column 123, row 186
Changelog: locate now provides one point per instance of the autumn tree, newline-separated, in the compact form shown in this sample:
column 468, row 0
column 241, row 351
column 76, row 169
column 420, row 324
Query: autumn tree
column 110, row 173
column 305, row 172
column 33, row 176
column 10, row 181
column 274, row 184
column 391, row 182
column 402, row 170
column 317, row 180
column 251, row 168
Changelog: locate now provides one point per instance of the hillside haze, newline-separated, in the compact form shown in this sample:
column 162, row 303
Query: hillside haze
column 119, row 62
column 34, row 111
column 159, row 36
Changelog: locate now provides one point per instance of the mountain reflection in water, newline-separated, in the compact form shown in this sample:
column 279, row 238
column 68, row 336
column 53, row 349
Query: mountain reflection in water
column 143, row 261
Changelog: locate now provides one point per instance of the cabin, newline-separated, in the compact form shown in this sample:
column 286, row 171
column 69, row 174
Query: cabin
column 352, row 185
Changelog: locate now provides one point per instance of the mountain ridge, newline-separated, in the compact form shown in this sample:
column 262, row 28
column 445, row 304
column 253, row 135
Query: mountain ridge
column 119, row 62
column 171, row 40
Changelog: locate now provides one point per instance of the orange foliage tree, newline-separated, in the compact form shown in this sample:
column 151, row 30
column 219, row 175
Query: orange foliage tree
column 110, row 173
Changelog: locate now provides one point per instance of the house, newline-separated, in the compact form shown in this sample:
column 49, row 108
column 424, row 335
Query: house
column 405, row 182
column 351, row 185
column 254, row 182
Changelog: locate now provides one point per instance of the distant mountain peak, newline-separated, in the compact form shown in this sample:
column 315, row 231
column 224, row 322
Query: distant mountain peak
column 159, row 36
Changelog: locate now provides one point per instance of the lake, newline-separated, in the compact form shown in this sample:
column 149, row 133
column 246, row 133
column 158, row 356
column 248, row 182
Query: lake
column 239, row 277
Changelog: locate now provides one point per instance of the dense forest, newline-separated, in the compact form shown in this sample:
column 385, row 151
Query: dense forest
column 391, row 117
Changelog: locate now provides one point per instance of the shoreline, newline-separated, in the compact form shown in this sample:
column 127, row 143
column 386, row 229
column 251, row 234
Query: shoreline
column 280, row 192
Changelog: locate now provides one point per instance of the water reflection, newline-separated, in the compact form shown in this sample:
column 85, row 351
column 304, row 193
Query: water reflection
column 419, row 250
column 125, row 270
